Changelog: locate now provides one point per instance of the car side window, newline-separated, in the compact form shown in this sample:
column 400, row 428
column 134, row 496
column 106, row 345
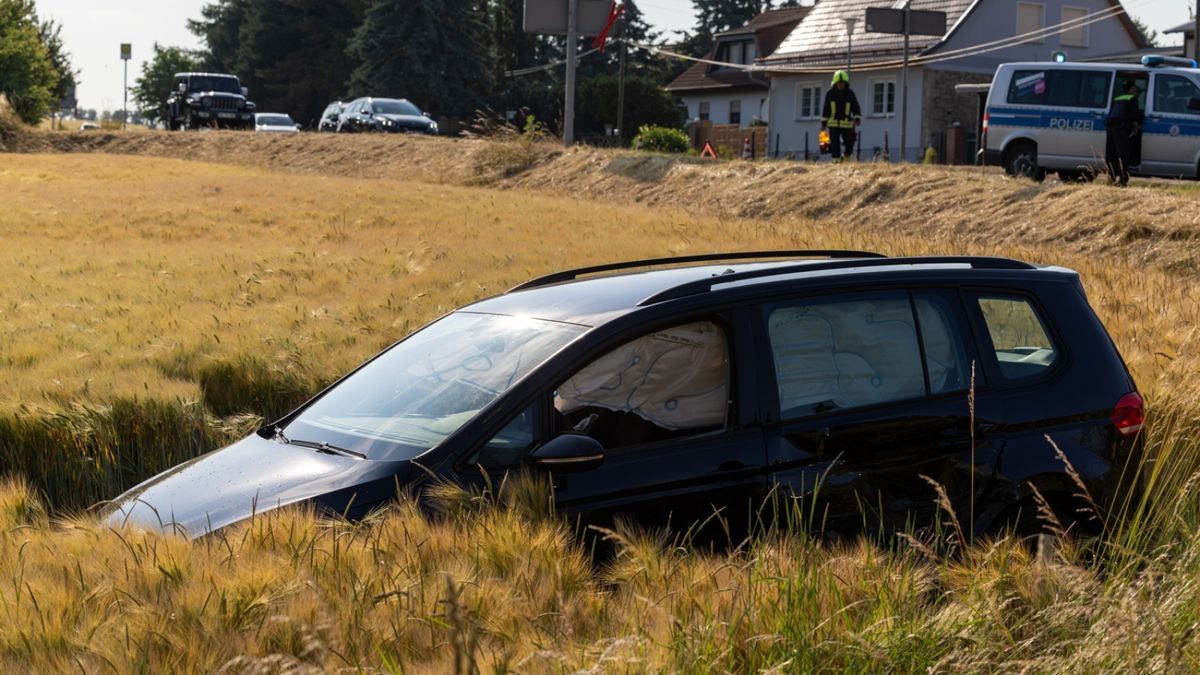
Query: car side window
column 667, row 384
column 1172, row 93
column 508, row 447
column 1021, row 343
column 946, row 360
column 844, row 353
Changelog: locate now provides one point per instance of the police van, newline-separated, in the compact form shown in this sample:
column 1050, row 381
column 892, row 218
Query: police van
column 1050, row 117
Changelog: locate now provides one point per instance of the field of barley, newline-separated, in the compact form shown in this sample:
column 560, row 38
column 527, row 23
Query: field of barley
column 155, row 308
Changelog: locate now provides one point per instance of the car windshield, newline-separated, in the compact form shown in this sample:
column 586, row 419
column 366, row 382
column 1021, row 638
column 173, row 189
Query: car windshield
column 386, row 107
column 276, row 120
column 226, row 85
column 428, row 386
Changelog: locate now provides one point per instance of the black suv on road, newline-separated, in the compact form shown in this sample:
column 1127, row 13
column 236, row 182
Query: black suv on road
column 208, row 100
column 834, row 380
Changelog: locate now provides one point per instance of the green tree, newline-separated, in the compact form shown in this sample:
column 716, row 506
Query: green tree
column 436, row 53
column 219, row 28
column 715, row 16
column 50, row 33
column 150, row 91
column 291, row 55
column 1149, row 33
column 646, row 103
column 28, row 77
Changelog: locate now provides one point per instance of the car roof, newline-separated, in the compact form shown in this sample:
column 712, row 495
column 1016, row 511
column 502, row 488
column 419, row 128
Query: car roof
column 594, row 300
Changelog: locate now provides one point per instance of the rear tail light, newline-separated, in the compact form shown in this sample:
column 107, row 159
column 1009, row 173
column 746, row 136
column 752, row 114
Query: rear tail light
column 1128, row 414
column 985, row 122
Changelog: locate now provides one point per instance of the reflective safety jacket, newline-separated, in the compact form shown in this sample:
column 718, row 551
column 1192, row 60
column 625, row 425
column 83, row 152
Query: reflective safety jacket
column 841, row 108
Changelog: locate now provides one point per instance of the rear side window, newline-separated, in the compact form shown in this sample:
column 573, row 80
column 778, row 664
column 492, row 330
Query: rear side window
column 1022, row 344
column 1060, row 88
column 1172, row 93
column 836, row 354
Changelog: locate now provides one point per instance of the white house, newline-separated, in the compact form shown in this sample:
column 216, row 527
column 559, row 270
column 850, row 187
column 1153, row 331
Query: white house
column 726, row 95
column 803, row 65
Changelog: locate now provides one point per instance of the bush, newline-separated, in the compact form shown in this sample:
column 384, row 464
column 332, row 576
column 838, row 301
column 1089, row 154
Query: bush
column 661, row 139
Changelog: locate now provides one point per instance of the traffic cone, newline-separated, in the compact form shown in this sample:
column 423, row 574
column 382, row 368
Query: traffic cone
column 747, row 149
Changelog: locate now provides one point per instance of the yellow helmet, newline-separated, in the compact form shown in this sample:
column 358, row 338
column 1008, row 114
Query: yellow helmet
column 841, row 76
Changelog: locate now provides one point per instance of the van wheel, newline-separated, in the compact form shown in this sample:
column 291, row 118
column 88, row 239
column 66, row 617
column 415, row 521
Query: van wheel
column 1021, row 161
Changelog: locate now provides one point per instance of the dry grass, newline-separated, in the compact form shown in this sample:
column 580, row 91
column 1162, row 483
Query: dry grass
column 155, row 308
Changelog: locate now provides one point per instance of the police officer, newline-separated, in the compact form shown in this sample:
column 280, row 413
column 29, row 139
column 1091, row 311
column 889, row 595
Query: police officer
column 841, row 116
column 1123, row 147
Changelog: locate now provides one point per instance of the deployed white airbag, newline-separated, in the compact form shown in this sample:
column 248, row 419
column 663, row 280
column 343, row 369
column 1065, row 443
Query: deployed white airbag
column 677, row 379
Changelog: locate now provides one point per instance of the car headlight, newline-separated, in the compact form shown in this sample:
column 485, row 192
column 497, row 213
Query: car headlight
column 433, row 127
column 385, row 122
column 191, row 100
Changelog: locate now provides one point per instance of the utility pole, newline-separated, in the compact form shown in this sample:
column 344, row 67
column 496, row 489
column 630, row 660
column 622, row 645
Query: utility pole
column 569, row 99
column 904, row 85
column 126, row 54
column 850, row 21
column 621, row 89
column 1195, row 34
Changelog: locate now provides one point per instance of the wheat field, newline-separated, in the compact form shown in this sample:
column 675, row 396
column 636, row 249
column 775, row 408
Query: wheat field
column 154, row 309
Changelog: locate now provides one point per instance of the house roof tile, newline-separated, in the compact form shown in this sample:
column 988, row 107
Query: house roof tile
column 821, row 36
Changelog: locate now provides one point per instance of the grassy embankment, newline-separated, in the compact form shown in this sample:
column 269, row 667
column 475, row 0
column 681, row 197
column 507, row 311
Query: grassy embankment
column 154, row 309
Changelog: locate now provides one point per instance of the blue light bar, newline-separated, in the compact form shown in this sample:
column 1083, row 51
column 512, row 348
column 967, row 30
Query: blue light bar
column 1156, row 61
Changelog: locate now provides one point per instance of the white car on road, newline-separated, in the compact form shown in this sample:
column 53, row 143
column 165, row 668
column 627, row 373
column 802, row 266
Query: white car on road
column 275, row 122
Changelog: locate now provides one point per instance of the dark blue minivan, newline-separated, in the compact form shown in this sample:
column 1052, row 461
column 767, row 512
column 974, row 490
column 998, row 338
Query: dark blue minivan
column 668, row 390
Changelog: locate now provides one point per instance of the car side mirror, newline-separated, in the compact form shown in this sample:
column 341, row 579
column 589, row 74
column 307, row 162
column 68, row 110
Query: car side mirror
column 425, row 114
column 1194, row 103
column 245, row 91
column 569, row 452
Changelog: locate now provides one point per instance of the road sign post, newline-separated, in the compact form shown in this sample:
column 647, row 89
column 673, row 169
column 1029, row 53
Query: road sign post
column 572, row 18
column 126, row 54
column 905, row 21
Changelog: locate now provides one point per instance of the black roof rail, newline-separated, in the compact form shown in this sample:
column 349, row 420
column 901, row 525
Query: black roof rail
column 569, row 275
column 705, row 285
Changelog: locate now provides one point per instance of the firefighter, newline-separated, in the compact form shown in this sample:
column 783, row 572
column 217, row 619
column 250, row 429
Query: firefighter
column 1124, row 135
column 841, row 115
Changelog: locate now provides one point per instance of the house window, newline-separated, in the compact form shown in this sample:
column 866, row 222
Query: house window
column 749, row 53
column 736, row 53
column 1031, row 17
column 883, row 97
column 1077, row 35
column 704, row 110
column 808, row 101
column 735, row 112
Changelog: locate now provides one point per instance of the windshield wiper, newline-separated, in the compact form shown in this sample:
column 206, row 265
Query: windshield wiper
column 329, row 449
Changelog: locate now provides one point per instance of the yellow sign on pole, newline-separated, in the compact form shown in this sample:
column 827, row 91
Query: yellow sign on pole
column 126, row 51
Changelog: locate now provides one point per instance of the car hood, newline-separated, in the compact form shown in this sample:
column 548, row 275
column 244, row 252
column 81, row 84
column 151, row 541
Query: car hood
column 407, row 120
column 276, row 127
column 252, row 476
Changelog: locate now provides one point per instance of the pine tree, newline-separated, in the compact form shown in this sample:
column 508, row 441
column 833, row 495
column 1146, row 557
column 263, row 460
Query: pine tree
column 436, row 53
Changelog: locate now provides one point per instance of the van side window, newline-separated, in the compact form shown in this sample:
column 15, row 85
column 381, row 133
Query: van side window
column 1172, row 93
column 832, row 355
column 1022, row 345
column 1060, row 88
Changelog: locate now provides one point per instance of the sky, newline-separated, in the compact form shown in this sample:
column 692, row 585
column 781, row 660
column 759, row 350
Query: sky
column 93, row 32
